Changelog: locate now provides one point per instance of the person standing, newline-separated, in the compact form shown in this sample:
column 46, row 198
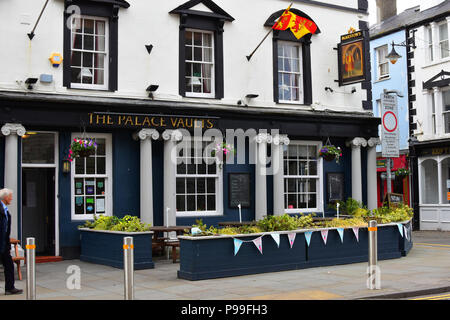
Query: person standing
column 6, row 196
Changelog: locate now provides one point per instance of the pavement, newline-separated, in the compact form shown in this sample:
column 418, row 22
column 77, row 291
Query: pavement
column 426, row 270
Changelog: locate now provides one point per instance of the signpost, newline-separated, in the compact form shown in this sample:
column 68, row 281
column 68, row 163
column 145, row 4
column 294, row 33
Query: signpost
column 389, row 132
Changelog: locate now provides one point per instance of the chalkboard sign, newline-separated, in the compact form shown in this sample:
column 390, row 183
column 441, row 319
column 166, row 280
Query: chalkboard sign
column 335, row 182
column 239, row 190
column 393, row 199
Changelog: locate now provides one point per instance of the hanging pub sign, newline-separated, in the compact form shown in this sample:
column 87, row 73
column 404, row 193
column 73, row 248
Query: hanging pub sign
column 351, row 58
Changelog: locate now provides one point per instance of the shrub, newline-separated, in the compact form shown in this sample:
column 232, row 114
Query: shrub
column 284, row 222
column 112, row 223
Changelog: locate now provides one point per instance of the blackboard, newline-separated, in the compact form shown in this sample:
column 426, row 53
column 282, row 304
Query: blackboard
column 239, row 190
column 393, row 199
column 335, row 186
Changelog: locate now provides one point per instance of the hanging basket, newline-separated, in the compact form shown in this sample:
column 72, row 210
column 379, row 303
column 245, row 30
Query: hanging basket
column 82, row 148
column 329, row 157
column 330, row 153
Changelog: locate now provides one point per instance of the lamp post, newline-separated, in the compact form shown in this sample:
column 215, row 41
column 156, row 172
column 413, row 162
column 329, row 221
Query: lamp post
column 393, row 56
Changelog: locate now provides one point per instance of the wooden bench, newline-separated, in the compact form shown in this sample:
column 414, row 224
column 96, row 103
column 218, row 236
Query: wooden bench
column 174, row 244
column 17, row 258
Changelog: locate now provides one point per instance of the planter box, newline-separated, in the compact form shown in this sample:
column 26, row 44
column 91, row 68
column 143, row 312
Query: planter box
column 106, row 247
column 213, row 256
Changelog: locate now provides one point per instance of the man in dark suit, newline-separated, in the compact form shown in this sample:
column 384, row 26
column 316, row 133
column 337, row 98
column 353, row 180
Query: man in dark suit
column 5, row 245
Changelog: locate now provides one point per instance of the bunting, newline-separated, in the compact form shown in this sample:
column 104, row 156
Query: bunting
column 324, row 235
column 237, row 245
column 400, row 228
column 356, row 232
column 258, row 244
column 291, row 237
column 341, row 234
column 276, row 238
column 308, row 237
column 406, row 232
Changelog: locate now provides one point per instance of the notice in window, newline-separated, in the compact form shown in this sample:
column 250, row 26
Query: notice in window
column 100, row 205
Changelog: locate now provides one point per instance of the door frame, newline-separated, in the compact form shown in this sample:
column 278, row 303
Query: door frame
column 56, row 168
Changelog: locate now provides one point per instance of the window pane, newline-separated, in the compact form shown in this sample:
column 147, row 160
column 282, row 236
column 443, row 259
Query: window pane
column 90, row 205
column 197, row 39
column 211, row 203
column 188, row 53
column 100, row 27
column 90, row 165
column 89, row 186
column 100, row 43
column 210, row 185
column 87, row 59
column 76, row 59
column 79, row 165
column 79, row 186
column 207, row 55
column 101, row 147
column 181, row 185
column 191, row 203
column 181, row 203
column 88, row 26
column 77, row 41
column 75, row 75
column 38, row 147
column 190, row 185
column 207, row 40
column 100, row 186
column 100, row 204
column 188, row 38
column 201, row 203
column 197, row 54
column 79, row 205
column 88, row 42
column 101, row 165
column 99, row 76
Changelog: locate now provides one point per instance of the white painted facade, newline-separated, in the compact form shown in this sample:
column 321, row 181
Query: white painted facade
column 145, row 23
column 432, row 124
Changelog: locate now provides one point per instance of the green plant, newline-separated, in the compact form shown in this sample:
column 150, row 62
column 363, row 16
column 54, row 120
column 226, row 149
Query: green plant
column 81, row 147
column 284, row 222
column 112, row 223
column 344, row 223
column 330, row 152
column 402, row 172
column 350, row 207
column 396, row 214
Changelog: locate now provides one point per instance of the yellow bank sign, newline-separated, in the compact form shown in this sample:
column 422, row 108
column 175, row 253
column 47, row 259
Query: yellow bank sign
column 149, row 121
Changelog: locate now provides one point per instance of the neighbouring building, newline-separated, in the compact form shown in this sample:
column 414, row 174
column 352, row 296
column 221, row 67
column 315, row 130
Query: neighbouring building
column 137, row 77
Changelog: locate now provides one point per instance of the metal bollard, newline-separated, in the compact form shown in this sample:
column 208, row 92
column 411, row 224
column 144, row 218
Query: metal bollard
column 373, row 281
column 31, row 268
column 128, row 267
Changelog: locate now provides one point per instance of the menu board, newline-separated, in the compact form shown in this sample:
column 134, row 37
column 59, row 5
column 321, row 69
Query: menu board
column 393, row 199
column 239, row 190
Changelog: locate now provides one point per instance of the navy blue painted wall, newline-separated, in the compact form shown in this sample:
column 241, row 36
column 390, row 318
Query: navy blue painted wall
column 158, row 182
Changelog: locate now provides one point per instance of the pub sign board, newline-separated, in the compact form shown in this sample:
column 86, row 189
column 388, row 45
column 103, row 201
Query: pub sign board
column 351, row 58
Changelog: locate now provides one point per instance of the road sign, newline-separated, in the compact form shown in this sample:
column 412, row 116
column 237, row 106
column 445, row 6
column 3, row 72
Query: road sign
column 389, row 126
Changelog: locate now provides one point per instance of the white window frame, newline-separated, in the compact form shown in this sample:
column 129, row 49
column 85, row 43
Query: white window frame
column 433, row 114
column 382, row 52
column 445, row 40
column 212, row 94
column 105, row 85
column 301, row 96
column 443, row 113
column 218, row 182
column 107, row 176
column 430, row 46
column 318, row 177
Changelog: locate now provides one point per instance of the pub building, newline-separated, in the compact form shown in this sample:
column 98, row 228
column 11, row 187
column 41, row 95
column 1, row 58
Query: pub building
column 136, row 77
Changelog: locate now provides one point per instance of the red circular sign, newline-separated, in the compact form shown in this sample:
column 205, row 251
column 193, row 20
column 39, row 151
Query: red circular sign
column 390, row 121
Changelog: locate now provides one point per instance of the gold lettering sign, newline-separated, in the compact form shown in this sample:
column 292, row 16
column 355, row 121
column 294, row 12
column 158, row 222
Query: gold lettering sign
column 142, row 121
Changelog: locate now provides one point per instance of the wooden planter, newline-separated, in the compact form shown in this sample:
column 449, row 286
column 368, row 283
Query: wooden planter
column 106, row 248
column 213, row 256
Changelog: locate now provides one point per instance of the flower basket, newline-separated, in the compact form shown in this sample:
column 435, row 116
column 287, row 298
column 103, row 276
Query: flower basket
column 81, row 148
column 330, row 153
column 402, row 173
column 222, row 152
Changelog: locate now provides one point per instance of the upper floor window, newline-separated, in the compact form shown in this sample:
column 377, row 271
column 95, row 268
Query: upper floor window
column 89, row 53
column 290, row 88
column 199, row 48
column 383, row 63
column 443, row 39
column 446, row 110
column 433, row 114
column 429, row 41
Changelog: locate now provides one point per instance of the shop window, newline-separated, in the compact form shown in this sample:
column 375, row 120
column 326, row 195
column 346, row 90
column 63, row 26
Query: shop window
column 429, row 182
column 91, row 180
column 302, row 177
column 198, row 181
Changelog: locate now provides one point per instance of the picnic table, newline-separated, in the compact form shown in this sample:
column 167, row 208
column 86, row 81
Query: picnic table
column 160, row 241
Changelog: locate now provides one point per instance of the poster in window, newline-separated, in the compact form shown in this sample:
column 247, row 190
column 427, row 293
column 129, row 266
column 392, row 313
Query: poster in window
column 79, row 205
column 90, row 208
column 351, row 58
column 100, row 203
column 335, row 186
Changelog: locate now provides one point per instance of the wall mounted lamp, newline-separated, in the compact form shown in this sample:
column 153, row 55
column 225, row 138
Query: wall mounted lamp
column 66, row 166
column 247, row 98
column 393, row 56
column 328, row 89
column 150, row 89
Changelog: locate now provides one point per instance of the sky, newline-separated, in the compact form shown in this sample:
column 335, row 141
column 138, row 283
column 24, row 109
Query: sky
column 401, row 6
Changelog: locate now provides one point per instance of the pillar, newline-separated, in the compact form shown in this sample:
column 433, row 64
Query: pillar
column 356, row 144
column 278, row 144
column 261, row 175
column 12, row 131
column 171, row 137
column 372, row 189
column 146, row 182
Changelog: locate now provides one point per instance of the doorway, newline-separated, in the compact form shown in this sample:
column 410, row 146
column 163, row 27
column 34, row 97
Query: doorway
column 39, row 214
column 38, row 208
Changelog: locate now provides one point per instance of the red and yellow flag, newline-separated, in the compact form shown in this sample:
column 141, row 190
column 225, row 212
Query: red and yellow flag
column 298, row 25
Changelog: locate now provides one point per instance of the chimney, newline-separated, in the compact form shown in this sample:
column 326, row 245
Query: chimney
column 386, row 9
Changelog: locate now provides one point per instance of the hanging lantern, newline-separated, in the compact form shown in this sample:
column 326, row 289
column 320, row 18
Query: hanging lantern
column 393, row 56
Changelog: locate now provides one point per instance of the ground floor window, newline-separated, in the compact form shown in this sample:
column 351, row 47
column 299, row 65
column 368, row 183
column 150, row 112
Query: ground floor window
column 302, row 177
column 198, row 181
column 91, row 179
column 434, row 187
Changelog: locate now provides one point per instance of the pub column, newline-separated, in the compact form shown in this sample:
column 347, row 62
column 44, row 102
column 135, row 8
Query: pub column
column 12, row 131
column 146, row 188
column 372, row 143
column 171, row 137
column 261, row 175
column 356, row 144
column 278, row 143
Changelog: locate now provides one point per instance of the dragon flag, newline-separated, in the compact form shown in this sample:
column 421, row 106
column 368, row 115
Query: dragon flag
column 298, row 25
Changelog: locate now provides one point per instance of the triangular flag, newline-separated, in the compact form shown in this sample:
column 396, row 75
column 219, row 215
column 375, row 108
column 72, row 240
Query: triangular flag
column 276, row 237
column 258, row 243
column 406, row 232
column 291, row 237
column 324, row 235
column 308, row 237
column 356, row 232
column 237, row 245
column 341, row 233
column 400, row 228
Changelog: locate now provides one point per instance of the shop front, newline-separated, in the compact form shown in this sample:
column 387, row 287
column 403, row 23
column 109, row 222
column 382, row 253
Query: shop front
column 151, row 162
